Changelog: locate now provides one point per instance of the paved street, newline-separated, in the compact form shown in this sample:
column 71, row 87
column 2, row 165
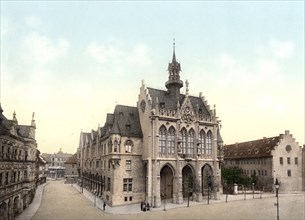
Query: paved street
column 63, row 201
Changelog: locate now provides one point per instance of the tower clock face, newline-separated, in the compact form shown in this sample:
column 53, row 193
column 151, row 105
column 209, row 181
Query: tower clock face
column 143, row 105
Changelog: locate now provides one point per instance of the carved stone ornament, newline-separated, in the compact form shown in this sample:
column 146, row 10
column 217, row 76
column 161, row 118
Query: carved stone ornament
column 188, row 115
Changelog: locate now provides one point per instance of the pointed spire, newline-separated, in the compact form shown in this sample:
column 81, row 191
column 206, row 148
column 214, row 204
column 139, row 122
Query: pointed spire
column 14, row 117
column 33, row 124
column 174, row 54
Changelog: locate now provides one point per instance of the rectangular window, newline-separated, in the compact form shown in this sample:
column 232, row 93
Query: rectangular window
column 127, row 184
column 125, row 199
column 265, row 172
column 130, row 198
column 128, row 164
column 97, row 164
column 288, row 172
column 108, row 184
column 296, row 161
column 288, row 160
column 281, row 160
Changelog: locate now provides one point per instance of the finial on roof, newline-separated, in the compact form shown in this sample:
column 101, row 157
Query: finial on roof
column 187, row 87
column 1, row 110
column 14, row 117
column 33, row 120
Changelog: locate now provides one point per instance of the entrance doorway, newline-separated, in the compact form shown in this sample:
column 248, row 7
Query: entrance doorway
column 207, row 177
column 166, row 183
column 188, row 181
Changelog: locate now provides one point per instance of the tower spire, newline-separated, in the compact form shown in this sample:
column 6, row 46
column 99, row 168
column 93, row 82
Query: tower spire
column 174, row 83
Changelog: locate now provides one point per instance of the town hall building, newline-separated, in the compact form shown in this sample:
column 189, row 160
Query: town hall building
column 165, row 149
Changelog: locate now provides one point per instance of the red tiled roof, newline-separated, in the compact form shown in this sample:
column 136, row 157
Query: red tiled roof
column 251, row 149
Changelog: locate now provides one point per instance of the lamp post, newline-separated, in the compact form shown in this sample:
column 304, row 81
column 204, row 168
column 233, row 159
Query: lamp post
column 253, row 189
column 277, row 186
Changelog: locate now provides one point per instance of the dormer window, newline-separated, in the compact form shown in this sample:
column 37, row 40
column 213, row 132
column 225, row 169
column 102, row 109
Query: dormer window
column 162, row 104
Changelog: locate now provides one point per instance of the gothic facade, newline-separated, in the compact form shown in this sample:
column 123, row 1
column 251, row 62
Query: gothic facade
column 19, row 167
column 167, row 148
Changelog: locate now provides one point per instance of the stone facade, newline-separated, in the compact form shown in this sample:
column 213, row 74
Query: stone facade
column 55, row 166
column 19, row 166
column 165, row 148
column 71, row 172
column 269, row 159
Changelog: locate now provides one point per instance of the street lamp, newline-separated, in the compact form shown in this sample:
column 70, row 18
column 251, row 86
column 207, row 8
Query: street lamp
column 277, row 186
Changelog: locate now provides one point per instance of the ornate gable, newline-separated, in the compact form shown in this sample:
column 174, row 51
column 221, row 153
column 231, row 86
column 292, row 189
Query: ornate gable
column 187, row 111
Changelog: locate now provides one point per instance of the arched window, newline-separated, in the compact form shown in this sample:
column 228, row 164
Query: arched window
column 116, row 146
column 190, row 142
column 209, row 143
column 201, row 148
column 162, row 140
column 128, row 146
column 109, row 147
column 171, row 141
column 183, row 140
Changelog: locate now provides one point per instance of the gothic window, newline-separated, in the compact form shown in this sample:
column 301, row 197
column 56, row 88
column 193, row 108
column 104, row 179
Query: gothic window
column 171, row 141
column 128, row 146
column 116, row 146
column 108, row 184
column 128, row 164
column 162, row 140
column 191, row 142
column 201, row 148
column 109, row 146
column 209, row 143
column 183, row 140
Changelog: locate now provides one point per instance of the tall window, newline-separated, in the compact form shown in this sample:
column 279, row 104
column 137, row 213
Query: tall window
column 128, row 164
column 127, row 184
column 116, row 146
column 183, row 140
column 108, row 184
column 201, row 142
column 281, row 160
column 191, row 142
column 296, row 160
column 209, row 143
column 128, row 146
column 109, row 146
column 288, row 160
column 162, row 140
column 171, row 141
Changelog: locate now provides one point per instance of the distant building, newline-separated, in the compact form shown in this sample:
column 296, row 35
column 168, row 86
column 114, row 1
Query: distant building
column 55, row 167
column 167, row 147
column 269, row 158
column 303, row 164
column 18, row 166
column 71, row 172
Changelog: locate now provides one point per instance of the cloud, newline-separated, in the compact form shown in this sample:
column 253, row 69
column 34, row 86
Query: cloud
column 33, row 21
column 41, row 49
column 282, row 49
column 139, row 55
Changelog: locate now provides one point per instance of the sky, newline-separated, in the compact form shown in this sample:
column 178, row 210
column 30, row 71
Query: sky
column 71, row 62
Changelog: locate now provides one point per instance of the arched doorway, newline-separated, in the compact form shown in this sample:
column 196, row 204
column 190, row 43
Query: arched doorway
column 166, row 182
column 207, row 177
column 188, row 181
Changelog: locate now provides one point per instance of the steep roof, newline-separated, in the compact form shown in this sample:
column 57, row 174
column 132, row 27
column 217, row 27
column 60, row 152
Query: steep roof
column 125, row 121
column 251, row 149
column 170, row 104
column 71, row 160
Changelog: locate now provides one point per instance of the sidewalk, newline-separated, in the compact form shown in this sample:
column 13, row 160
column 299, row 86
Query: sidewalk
column 34, row 206
column 135, row 208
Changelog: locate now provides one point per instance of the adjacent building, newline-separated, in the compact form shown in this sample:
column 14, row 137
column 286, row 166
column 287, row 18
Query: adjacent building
column 18, row 166
column 278, row 157
column 55, row 166
column 167, row 147
column 71, row 172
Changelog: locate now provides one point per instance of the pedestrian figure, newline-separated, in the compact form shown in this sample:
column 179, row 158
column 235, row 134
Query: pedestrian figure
column 144, row 208
column 142, row 203
column 104, row 205
column 147, row 207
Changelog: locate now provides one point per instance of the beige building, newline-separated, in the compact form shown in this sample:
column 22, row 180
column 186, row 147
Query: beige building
column 167, row 147
column 55, row 166
column 19, row 168
column 269, row 158
column 71, row 172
